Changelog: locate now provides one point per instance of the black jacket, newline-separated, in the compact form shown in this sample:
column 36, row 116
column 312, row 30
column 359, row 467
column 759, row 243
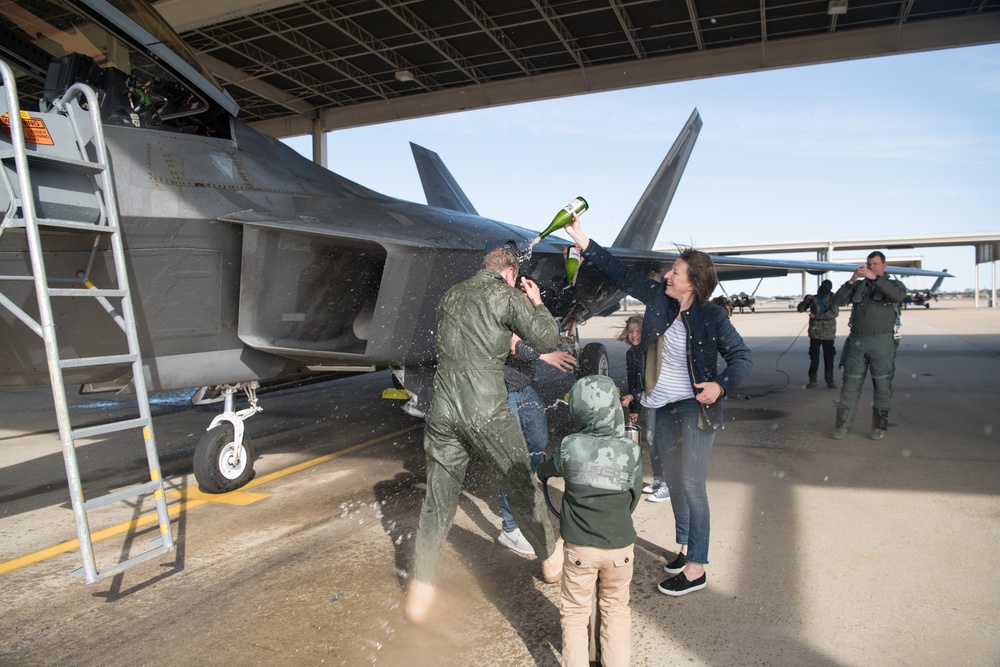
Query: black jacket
column 710, row 333
column 633, row 377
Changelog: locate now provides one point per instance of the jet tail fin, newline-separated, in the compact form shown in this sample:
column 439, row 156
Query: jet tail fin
column 936, row 287
column 440, row 187
column 643, row 226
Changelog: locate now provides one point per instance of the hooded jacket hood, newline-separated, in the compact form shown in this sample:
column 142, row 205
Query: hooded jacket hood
column 602, row 469
column 596, row 407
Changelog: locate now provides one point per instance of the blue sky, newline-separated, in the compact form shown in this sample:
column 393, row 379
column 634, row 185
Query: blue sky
column 879, row 147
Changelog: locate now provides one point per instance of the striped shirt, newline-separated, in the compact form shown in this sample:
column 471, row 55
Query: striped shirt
column 674, row 383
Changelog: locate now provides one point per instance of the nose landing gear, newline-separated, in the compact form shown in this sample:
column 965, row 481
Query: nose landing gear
column 223, row 458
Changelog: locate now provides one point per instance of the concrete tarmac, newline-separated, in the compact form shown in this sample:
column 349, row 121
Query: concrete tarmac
column 823, row 552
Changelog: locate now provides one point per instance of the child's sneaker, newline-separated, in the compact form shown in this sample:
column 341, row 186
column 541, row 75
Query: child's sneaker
column 651, row 488
column 661, row 495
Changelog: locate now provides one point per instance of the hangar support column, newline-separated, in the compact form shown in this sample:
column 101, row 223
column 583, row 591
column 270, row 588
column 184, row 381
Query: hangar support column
column 988, row 252
column 319, row 144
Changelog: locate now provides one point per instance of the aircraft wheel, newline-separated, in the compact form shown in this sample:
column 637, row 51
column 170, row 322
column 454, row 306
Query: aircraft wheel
column 221, row 465
column 594, row 360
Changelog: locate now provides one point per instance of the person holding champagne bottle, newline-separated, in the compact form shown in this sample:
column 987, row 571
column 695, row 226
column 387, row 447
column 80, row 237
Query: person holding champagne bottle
column 470, row 414
column 683, row 335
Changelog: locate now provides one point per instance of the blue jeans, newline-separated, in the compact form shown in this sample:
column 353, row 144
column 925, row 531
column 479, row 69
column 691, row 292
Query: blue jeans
column 648, row 418
column 530, row 413
column 684, row 451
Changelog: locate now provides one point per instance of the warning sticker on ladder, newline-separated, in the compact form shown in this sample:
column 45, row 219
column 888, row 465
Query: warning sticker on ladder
column 34, row 129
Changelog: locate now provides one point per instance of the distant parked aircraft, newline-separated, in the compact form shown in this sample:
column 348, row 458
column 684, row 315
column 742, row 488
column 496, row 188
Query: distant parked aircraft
column 922, row 297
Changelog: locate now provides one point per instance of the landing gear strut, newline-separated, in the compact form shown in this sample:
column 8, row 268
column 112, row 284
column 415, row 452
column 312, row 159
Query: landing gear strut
column 223, row 459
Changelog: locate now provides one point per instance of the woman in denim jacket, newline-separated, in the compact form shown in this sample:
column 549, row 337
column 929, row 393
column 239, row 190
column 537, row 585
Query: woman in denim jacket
column 683, row 335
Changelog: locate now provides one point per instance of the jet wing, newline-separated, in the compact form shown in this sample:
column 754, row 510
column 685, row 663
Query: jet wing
column 654, row 264
column 730, row 267
column 729, row 263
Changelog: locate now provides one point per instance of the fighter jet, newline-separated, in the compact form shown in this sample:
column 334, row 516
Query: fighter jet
column 241, row 261
column 923, row 297
column 743, row 300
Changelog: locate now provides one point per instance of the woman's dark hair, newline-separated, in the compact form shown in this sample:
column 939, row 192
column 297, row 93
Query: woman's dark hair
column 701, row 273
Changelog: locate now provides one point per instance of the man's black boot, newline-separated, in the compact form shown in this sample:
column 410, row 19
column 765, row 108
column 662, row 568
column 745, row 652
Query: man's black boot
column 880, row 424
column 840, row 428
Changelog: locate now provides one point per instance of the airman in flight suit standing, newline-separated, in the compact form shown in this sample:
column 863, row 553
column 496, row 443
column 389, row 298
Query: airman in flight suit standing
column 874, row 299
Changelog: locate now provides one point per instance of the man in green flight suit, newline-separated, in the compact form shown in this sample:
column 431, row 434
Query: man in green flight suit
column 469, row 411
column 874, row 298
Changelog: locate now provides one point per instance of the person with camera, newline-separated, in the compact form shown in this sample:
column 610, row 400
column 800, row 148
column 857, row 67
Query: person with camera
column 822, row 331
column 874, row 298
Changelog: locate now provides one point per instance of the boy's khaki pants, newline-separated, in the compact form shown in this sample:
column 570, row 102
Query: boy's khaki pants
column 583, row 568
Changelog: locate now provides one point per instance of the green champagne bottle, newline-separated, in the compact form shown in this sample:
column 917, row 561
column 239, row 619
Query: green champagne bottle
column 572, row 264
column 563, row 218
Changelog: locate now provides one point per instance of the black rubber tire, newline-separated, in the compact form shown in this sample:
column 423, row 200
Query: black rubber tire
column 593, row 360
column 210, row 469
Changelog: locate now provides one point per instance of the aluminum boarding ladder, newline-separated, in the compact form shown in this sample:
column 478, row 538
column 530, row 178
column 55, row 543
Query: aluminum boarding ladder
column 87, row 155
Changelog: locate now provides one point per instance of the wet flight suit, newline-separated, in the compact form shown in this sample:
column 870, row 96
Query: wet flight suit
column 469, row 411
column 870, row 345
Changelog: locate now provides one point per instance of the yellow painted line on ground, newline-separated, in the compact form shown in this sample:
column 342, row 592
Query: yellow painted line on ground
column 189, row 499
column 328, row 457
column 73, row 545
column 238, row 497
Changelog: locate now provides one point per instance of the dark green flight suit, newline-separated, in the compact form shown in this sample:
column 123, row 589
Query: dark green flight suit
column 870, row 346
column 469, row 411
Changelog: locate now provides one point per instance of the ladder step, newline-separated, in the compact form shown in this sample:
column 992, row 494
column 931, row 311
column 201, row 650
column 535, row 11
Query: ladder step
column 72, row 164
column 83, row 291
column 55, row 223
column 152, row 554
column 110, row 427
column 90, row 362
column 124, row 494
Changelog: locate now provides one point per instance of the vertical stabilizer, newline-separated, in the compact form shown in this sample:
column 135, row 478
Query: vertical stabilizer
column 440, row 188
column 643, row 226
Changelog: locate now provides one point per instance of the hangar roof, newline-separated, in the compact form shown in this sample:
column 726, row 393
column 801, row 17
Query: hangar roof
column 342, row 63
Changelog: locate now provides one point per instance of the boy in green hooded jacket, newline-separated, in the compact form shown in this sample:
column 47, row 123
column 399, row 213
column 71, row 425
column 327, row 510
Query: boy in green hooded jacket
column 603, row 473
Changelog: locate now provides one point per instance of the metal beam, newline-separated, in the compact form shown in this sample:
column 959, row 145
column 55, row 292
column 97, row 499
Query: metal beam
column 421, row 29
column 562, row 34
column 490, row 28
column 320, row 53
column 243, row 79
column 777, row 54
column 186, row 15
column 695, row 28
column 626, row 24
column 264, row 62
column 366, row 40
